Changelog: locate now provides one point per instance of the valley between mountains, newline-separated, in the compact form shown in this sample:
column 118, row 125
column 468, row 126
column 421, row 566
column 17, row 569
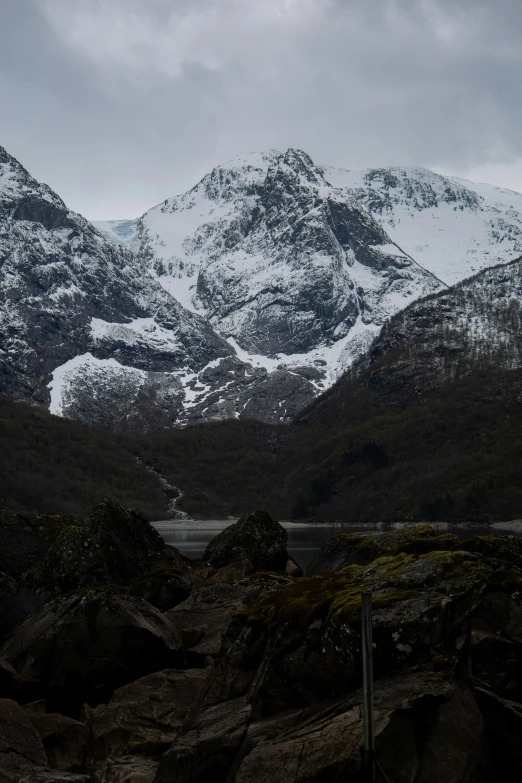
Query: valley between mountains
column 350, row 340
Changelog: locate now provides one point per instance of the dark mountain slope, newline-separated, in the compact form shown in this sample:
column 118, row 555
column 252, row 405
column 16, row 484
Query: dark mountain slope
column 455, row 455
column 53, row 465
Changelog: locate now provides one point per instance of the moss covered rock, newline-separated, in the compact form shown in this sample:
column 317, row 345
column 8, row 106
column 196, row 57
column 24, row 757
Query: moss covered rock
column 504, row 551
column 422, row 609
column 360, row 549
column 256, row 538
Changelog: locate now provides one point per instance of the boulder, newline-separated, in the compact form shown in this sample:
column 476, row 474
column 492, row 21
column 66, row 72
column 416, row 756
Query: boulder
column 26, row 538
column 64, row 739
column 116, row 545
column 292, row 568
column 427, row 727
column 21, row 749
column 203, row 619
column 360, row 549
column 126, row 769
column 144, row 716
column 131, row 545
column 255, row 538
column 306, row 639
column 164, row 588
column 105, row 640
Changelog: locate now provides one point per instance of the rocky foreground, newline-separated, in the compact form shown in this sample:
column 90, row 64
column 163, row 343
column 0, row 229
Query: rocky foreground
column 122, row 661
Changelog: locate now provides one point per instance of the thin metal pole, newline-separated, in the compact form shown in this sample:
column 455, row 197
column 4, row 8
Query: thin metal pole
column 367, row 656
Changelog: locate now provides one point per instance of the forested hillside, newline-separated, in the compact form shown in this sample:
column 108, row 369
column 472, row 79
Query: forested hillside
column 454, row 455
column 53, row 465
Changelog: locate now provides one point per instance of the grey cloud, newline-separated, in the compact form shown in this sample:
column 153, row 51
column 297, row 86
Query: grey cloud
column 380, row 82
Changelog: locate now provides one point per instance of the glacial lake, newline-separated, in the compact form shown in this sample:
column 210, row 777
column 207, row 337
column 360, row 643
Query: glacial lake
column 191, row 537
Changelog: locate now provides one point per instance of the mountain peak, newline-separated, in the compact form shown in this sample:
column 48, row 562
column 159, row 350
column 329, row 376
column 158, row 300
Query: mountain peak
column 245, row 296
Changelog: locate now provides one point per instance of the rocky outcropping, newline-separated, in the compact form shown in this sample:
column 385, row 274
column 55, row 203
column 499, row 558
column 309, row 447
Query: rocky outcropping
column 256, row 540
column 115, row 545
column 422, row 610
column 105, row 640
column 359, row 549
column 425, row 725
column 21, row 749
column 145, row 716
column 256, row 675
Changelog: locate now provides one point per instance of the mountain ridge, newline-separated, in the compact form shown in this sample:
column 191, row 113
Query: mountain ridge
column 249, row 295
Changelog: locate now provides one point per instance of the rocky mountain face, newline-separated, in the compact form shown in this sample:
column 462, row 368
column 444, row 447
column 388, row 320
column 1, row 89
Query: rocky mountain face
column 245, row 297
column 451, row 226
column 473, row 325
column 86, row 329
column 284, row 265
column 299, row 265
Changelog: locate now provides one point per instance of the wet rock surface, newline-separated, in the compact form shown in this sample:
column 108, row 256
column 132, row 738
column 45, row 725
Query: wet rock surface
column 234, row 670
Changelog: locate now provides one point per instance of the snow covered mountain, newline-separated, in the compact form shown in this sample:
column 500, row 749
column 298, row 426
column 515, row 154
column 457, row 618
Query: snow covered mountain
column 295, row 263
column 290, row 269
column 451, row 226
column 87, row 331
column 244, row 297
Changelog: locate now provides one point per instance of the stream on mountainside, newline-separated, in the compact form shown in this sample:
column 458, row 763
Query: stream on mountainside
column 191, row 537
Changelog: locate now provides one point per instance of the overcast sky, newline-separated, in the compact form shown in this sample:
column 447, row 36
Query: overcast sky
column 118, row 104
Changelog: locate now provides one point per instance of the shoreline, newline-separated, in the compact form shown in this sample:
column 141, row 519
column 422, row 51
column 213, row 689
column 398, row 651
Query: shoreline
column 514, row 525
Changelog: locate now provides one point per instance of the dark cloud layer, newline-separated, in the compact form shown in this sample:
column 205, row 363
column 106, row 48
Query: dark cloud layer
column 119, row 103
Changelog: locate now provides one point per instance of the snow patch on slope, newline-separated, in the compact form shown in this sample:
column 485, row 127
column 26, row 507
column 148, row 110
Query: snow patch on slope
column 453, row 227
column 119, row 232
column 144, row 330
column 67, row 374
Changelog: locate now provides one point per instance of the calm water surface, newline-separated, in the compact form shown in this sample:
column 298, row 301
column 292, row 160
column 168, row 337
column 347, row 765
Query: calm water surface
column 304, row 540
